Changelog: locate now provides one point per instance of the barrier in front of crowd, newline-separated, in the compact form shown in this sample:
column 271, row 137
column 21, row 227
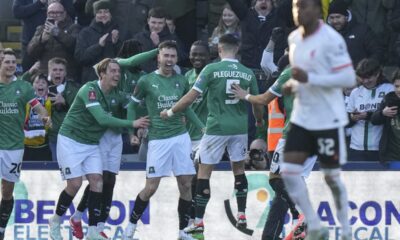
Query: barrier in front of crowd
column 374, row 206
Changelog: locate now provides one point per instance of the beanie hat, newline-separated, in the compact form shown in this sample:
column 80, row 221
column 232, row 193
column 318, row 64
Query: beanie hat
column 339, row 7
column 102, row 4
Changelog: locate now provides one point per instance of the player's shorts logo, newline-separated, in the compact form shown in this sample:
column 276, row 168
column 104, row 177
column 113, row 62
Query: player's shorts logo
column 152, row 170
column 67, row 171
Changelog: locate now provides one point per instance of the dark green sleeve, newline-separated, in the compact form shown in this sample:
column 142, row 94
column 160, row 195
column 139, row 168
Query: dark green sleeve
column 192, row 117
column 106, row 120
column 138, row 58
column 26, row 77
column 132, row 108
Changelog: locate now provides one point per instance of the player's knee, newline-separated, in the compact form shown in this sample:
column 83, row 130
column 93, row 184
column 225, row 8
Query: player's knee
column 150, row 190
column 73, row 187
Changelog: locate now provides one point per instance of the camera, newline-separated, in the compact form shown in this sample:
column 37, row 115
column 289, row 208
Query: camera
column 393, row 101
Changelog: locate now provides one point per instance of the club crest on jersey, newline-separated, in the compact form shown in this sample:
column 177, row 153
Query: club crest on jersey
column 113, row 101
column 234, row 66
column 177, row 85
column 18, row 92
column 92, row 95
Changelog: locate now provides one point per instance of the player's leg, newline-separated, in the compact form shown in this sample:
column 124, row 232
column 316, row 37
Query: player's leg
column 332, row 153
column 92, row 167
column 276, row 215
column 94, row 204
column 211, row 150
column 299, row 145
column 63, row 203
column 184, row 204
column 159, row 164
column 195, row 158
column 183, row 169
column 111, row 166
column 237, row 148
column 141, row 203
column 75, row 221
column 70, row 155
column 10, row 168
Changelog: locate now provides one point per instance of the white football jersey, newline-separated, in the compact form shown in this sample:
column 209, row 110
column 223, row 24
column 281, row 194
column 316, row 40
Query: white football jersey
column 364, row 135
column 319, row 103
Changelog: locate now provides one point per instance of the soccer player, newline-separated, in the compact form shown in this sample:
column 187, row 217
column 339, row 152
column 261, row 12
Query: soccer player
column 14, row 96
column 281, row 202
column 111, row 142
column 78, row 152
column 199, row 57
column 226, row 125
column 169, row 145
column 321, row 68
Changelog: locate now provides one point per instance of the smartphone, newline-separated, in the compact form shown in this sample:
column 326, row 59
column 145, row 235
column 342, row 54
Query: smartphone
column 52, row 21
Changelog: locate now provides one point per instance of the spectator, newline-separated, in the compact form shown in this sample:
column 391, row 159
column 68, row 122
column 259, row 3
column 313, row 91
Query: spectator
column 363, row 101
column 371, row 12
column 36, row 133
column 228, row 23
column 32, row 13
column 256, row 158
column 97, row 41
column 154, row 33
column 62, row 91
column 81, row 16
column 56, row 38
column 360, row 40
column 257, row 24
column 170, row 24
column 394, row 24
column 129, row 15
column 186, row 14
column 388, row 116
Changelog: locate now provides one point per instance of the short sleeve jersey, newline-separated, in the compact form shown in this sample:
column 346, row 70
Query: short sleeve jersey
column 13, row 99
column 227, row 115
column 365, row 135
column 159, row 93
column 324, row 52
column 276, row 89
column 199, row 107
column 79, row 124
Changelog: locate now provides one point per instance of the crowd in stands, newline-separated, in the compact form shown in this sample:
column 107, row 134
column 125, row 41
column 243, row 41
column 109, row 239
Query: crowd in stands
column 63, row 39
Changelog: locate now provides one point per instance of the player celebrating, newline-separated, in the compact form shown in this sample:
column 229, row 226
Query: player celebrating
column 169, row 145
column 226, row 125
column 78, row 152
column 14, row 96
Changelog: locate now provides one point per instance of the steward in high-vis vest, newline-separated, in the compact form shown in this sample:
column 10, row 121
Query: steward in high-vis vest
column 276, row 123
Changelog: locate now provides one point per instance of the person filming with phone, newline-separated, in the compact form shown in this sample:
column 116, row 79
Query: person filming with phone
column 55, row 38
column 388, row 115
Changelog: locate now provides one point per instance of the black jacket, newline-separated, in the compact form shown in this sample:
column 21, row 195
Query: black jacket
column 256, row 34
column 88, row 51
column 147, row 44
column 361, row 42
column 378, row 119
